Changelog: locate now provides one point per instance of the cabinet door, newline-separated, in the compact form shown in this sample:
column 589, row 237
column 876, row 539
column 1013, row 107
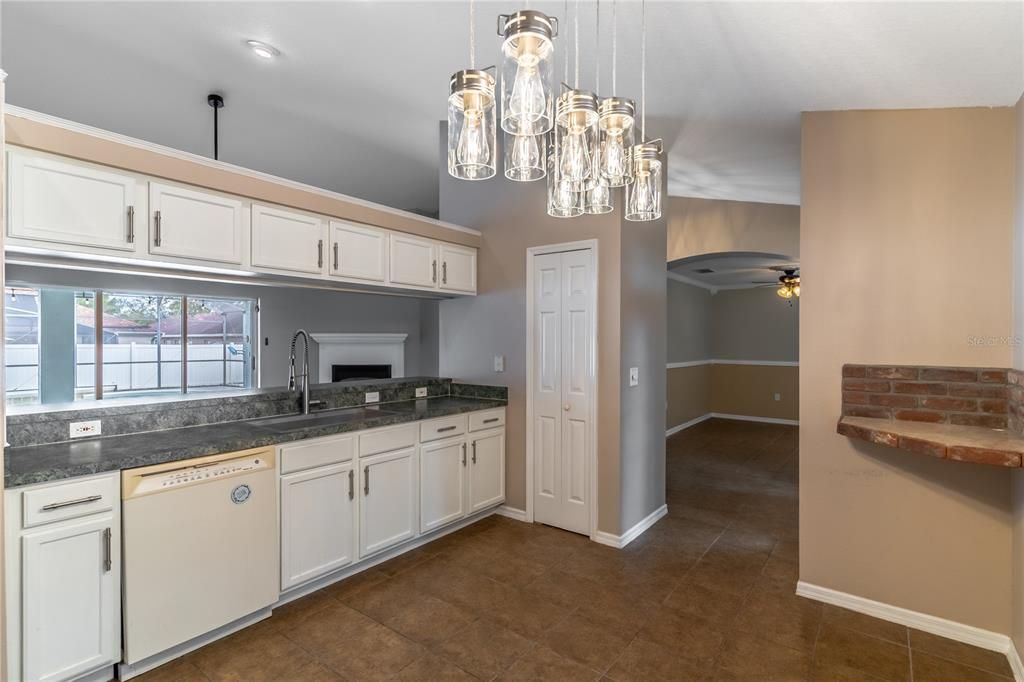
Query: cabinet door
column 318, row 522
column 487, row 470
column 286, row 240
column 192, row 224
column 71, row 599
column 442, row 483
column 413, row 261
column 388, row 507
column 70, row 203
column 458, row 268
column 359, row 252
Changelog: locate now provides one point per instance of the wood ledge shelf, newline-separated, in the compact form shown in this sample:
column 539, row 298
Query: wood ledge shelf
column 974, row 444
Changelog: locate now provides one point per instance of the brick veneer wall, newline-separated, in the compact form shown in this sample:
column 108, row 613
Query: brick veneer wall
column 969, row 396
column 1016, row 380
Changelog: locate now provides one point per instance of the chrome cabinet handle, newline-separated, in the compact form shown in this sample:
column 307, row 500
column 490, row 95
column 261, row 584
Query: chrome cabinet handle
column 366, row 480
column 474, row 452
column 131, row 224
column 320, row 253
column 157, row 225
column 71, row 503
column 351, row 483
column 335, row 255
column 444, row 272
column 463, row 454
column 107, row 562
column 491, row 420
column 446, row 428
column 433, row 277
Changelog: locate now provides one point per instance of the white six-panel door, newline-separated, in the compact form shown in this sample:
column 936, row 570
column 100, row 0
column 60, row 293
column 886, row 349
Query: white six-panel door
column 562, row 348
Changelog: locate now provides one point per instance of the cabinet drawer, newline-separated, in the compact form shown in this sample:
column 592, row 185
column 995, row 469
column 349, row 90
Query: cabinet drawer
column 68, row 500
column 445, row 427
column 489, row 419
column 317, row 453
column 387, row 440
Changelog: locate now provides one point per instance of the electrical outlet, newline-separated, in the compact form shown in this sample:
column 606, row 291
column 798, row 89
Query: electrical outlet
column 421, row 392
column 83, row 429
column 778, row 397
column 499, row 363
column 373, row 397
column 634, row 376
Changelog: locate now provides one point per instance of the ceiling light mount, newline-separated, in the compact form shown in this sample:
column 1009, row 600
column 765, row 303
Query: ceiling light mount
column 217, row 102
column 263, row 50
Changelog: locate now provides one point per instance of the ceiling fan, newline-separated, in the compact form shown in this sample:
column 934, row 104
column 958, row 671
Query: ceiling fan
column 788, row 283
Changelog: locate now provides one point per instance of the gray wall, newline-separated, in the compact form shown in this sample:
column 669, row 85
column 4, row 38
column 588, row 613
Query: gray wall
column 689, row 322
column 282, row 311
column 754, row 324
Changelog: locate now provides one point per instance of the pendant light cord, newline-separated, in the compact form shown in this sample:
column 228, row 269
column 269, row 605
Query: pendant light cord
column 615, row 31
column 565, row 8
column 643, row 70
column 597, row 50
column 472, row 34
column 576, row 40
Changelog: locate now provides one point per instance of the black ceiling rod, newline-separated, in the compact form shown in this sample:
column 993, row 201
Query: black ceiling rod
column 217, row 102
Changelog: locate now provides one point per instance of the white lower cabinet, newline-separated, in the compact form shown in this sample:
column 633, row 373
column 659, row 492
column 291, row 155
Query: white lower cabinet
column 318, row 522
column 387, row 502
column 487, row 469
column 64, row 582
column 442, row 483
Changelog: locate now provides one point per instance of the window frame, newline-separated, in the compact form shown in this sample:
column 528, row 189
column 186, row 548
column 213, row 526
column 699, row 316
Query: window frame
column 252, row 331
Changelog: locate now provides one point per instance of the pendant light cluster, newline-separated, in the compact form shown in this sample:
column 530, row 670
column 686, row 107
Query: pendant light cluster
column 582, row 144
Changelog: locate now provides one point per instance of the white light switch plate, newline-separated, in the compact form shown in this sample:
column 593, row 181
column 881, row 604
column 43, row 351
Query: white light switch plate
column 778, row 397
column 373, row 397
column 421, row 392
column 634, row 376
column 499, row 363
column 83, row 429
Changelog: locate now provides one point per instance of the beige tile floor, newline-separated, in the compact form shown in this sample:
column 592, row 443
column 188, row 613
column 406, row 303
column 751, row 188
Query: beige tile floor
column 706, row 594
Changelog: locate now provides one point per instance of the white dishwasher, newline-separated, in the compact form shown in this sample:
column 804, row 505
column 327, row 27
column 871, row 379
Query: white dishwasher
column 200, row 547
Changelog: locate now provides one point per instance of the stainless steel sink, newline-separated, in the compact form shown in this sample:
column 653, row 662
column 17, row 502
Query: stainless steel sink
column 297, row 422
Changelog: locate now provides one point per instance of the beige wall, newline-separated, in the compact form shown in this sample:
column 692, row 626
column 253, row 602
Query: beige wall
column 1017, row 603
column 689, row 393
column 512, row 218
column 912, row 198
column 749, row 390
column 700, row 226
column 755, row 324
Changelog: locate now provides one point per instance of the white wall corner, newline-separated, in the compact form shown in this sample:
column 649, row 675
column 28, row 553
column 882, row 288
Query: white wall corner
column 685, row 425
column 620, row 541
column 511, row 512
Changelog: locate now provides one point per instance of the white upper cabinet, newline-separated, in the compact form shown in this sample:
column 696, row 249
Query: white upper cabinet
column 68, row 202
column 193, row 224
column 458, row 268
column 413, row 261
column 287, row 240
column 359, row 252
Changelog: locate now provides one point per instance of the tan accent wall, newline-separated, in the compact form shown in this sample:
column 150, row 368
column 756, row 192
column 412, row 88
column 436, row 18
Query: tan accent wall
column 749, row 390
column 689, row 393
column 700, row 226
column 1017, row 602
column 79, row 145
column 911, row 198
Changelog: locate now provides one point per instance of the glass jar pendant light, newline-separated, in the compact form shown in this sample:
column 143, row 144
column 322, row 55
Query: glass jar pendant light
column 597, row 198
column 526, row 90
column 565, row 200
column 576, row 137
column 471, row 118
column 643, row 197
column 471, row 125
column 617, row 116
column 525, row 156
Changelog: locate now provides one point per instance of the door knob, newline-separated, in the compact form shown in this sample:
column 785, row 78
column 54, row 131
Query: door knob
column 567, row 407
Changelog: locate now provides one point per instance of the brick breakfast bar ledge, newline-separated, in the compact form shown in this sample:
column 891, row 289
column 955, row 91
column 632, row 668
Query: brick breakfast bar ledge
column 965, row 414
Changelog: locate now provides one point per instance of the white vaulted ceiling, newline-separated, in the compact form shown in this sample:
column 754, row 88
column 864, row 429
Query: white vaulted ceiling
column 353, row 102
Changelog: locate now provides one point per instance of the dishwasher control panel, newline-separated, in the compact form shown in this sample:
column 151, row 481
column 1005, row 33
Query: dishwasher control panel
column 201, row 473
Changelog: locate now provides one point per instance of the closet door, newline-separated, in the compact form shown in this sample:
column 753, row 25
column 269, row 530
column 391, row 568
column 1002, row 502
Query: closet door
column 562, row 392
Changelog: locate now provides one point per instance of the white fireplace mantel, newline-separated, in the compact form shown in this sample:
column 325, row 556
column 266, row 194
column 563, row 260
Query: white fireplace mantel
column 359, row 349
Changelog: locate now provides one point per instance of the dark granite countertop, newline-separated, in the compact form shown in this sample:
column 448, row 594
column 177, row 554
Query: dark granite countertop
column 40, row 463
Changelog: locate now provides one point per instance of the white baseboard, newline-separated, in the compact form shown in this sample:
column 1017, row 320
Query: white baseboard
column 620, row 541
column 686, row 425
column 511, row 512
column 968, row 634
column 746, row 418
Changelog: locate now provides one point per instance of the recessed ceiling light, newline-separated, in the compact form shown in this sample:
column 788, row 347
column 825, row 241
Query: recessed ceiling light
column 263, row 49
